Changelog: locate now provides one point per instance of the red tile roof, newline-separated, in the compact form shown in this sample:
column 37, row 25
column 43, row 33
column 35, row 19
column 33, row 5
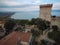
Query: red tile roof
column 2, row 22
column 13, row 38
column 46, row 5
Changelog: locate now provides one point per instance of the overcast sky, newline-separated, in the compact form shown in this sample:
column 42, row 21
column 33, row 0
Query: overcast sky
column 26, row 5
column 27, row 8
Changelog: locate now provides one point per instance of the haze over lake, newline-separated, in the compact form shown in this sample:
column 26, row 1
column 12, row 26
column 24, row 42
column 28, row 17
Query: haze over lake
column 32, row 14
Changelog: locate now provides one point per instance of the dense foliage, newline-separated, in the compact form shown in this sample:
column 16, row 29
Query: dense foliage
column 35, row 33
column 42, row 24
column 55, row 35
column 9, row 25
column 22, row 22
column 55, row 28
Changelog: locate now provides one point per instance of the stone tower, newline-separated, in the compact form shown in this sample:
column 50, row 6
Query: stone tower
column 45, row 12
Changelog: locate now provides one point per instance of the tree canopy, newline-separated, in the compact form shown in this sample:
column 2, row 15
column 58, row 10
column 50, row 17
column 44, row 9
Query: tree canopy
column 55, row 28
column 55, row 35
column 9, row 25
column 42, row 24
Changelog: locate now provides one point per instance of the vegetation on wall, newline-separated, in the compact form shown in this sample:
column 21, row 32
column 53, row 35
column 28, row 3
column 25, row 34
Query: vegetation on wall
column 55, row 35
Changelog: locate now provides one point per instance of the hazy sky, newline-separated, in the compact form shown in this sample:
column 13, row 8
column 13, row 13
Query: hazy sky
column 26, row 5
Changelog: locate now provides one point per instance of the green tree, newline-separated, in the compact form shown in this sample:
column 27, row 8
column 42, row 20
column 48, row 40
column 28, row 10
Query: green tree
column 55, row 28
column 23, row 22
column 43, row 42
column 33, row 21
column 9, row 25
column 35, row 34
column 42, row 24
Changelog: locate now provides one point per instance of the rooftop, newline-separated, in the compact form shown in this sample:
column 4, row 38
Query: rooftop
column 2, row 22
column 13, row 38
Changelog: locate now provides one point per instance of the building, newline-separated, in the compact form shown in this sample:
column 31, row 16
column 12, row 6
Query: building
column 45, row 12
column 55, row 21
column 16, row 38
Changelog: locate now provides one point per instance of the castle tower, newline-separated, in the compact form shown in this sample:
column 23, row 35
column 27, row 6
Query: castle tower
column 45, row 12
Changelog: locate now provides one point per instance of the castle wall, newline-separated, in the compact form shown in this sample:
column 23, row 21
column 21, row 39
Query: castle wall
column 45, row 12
